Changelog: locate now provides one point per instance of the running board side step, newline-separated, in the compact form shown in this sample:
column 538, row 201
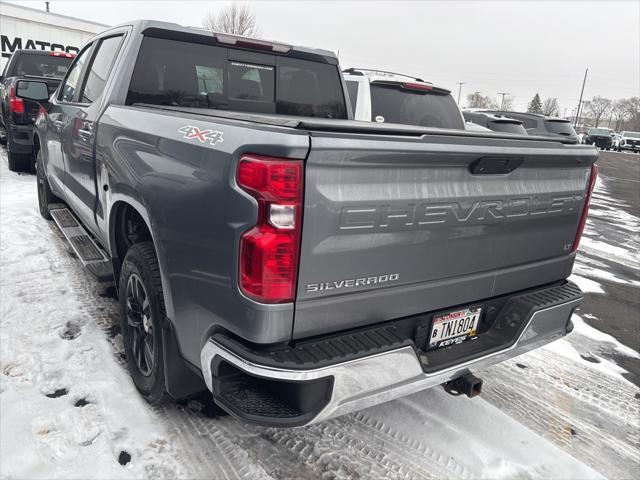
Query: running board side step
column 89, row 253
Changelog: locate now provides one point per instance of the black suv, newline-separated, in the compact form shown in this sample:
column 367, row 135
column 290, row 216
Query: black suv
column 495, row 122
column 536, row 124
column 17, row 113
column 600, row 137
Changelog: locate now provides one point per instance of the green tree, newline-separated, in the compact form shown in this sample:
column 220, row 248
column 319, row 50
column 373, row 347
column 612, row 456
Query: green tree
column 535, row 105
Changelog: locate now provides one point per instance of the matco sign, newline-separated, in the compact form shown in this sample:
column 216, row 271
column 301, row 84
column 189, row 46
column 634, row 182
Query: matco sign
column 8, row 45
column 36, row 29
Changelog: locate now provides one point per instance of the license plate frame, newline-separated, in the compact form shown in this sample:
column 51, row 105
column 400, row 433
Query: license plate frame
column 454, row 327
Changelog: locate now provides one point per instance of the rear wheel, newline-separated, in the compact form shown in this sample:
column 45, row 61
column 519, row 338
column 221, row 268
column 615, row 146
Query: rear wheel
column 142, row 314
column 45, row 195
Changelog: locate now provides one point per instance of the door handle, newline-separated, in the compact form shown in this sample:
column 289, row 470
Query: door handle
column 84, row 134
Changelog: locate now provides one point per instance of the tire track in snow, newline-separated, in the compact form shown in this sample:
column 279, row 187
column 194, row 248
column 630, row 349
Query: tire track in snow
column 591, row 415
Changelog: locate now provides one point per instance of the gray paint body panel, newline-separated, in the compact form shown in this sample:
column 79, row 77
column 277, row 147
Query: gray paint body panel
column 410, row 208
column 196, row 214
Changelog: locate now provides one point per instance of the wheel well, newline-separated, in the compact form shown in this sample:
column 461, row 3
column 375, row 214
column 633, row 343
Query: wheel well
column 129, row 228
column 36, row 144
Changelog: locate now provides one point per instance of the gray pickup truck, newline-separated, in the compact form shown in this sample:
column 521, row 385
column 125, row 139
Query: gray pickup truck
column 298, row 263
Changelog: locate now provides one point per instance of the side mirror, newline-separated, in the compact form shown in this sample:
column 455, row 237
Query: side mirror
column 32, row 90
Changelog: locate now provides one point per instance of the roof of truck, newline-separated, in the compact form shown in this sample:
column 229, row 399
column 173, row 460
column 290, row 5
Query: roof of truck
column 202, row 35
column 374, row 75
column 527, row 114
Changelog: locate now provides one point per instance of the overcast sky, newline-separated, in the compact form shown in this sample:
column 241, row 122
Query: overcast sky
column 515, row 47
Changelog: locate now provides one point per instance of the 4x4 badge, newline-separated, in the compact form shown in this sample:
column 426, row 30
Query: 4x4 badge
column 194, row 133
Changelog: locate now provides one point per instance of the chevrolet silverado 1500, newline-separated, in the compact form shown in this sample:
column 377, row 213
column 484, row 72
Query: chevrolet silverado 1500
column 296, row 262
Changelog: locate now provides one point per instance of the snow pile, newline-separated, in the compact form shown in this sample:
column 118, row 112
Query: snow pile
column 69, row 409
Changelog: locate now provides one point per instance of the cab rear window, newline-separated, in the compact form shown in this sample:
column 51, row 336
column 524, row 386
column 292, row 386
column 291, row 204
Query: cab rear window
column 390, row 103
column 179, row 73
column 42, row 66
column 562, row 128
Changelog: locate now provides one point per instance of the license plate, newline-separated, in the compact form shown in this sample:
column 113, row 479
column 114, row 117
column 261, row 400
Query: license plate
column 454, row 327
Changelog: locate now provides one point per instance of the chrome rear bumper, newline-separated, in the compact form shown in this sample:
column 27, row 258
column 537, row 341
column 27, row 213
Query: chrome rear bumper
column 378, row 378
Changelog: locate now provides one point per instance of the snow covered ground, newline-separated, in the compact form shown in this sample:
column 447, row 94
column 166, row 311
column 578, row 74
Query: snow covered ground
column 69, row 410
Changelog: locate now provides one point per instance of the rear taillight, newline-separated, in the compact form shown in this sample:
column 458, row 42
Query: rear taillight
column 62, row 54
column 251, row 43
column 16, row 105
column 269, row 251
column 417, row 86
column 585, row 209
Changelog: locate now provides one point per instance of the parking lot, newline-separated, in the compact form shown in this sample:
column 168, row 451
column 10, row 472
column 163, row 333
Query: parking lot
column 575, row 403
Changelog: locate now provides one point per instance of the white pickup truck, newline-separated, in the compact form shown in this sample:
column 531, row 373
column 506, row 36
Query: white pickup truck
column 387, row 97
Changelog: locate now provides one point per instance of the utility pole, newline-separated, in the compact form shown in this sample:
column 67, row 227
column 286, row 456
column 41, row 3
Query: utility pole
column 459, row 91
column 580, row 102
column 47, row 4
column 502, row 101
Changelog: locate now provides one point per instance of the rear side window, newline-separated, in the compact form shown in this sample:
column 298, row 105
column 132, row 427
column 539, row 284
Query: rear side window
column 172, row 72
column 42, row 65
column 562, row 128
column 352, row 88
column 100, row 68
column 428, row 109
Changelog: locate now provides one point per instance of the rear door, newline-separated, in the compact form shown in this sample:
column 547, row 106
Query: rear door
column 78, row 129
column 395, row 226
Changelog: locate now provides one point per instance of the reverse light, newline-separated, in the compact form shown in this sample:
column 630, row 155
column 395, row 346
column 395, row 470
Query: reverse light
column 269, row 251
column 16, row 105
column 585, row 209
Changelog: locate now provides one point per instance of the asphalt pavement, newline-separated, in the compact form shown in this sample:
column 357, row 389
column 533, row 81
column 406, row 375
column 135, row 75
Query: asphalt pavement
column 617, row 311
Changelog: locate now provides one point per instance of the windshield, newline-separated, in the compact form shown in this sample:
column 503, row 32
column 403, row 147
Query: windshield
column 42, row 66
column 393, row 104
column 631, row 134
column 559, row 127
column 599, row 131
column 172, row 72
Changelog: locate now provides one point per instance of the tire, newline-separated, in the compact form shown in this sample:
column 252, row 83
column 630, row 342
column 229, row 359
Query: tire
column 142, row 314
column 45, row 195
column 17, row 162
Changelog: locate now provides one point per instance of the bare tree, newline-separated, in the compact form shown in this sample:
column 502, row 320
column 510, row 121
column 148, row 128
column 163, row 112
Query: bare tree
column 619, row 111
column 235, row 19
column 507, row 103
column 598, row 108
column 476, row 100
column 632, row 107
column 551, row 107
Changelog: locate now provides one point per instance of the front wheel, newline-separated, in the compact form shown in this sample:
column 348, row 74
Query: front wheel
column 45, row 195
column 142, row 314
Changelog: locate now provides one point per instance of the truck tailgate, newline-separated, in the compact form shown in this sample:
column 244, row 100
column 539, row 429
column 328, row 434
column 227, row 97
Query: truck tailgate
column 400, row 225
